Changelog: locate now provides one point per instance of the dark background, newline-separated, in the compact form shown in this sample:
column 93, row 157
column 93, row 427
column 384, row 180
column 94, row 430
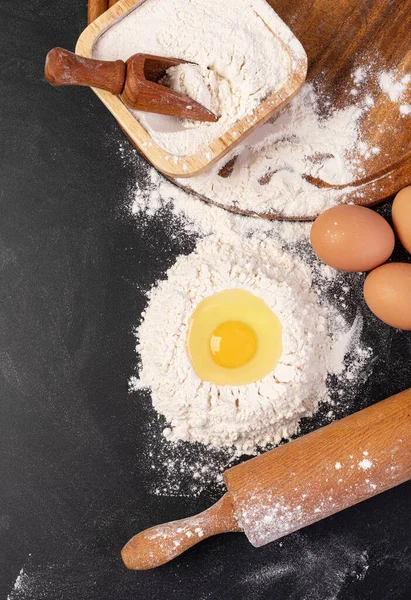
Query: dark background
column 74, row 485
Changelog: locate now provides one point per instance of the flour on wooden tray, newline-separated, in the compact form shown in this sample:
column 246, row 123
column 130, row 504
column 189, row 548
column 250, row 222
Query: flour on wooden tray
column 307, row 158
column 235, row 45
column 393, row 84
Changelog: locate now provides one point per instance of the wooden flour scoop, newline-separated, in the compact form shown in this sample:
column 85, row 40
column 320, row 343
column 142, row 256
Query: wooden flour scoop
column 296, row 484
column 136, row 81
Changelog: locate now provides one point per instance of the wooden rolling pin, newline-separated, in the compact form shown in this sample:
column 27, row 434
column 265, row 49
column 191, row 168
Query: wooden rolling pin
column 296, row 484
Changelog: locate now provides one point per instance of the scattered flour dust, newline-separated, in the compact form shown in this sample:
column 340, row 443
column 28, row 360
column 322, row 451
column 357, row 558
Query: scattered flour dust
column 272, row 512
column 310, row 569
column 397, row 87
column 19, row 585
column 230, row 42
column 394, row 85
column 365, row 464
column 270, row 169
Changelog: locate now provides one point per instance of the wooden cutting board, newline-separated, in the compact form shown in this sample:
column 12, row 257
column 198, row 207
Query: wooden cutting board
column 338, row 37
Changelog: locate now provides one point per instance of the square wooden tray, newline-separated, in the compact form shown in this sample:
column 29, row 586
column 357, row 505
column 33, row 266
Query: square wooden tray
column 187, row 166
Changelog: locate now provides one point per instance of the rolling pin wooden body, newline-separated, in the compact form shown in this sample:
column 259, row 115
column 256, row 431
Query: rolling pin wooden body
column 297, row 484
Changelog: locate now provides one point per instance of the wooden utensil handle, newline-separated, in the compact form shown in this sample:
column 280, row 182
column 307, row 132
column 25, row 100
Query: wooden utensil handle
column 295, row 485
column 96, row 8
column 66, row 68
column 160, row 544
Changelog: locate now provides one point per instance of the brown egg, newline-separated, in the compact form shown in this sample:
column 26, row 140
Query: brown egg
column 387, row 291
column 352, row 238
column 401, row 216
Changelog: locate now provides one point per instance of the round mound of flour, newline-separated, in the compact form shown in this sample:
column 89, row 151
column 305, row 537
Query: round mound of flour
column 252, row 415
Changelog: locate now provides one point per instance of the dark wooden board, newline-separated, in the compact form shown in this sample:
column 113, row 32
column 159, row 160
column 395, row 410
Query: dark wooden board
column 338, row 37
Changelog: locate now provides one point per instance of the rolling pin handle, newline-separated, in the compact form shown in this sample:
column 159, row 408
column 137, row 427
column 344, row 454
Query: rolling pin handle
column 66, row 68
column 158, row 545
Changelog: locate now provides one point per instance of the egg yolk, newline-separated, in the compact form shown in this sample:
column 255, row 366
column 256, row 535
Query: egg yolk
column 233, row 344
column 233, row 338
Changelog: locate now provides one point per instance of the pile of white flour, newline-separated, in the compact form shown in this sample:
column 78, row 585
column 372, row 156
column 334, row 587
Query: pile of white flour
column 185, row 469
column 240, row 59
column 261, row 413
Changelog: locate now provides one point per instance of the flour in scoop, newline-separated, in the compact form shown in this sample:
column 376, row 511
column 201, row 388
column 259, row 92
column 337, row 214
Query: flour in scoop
column 202, row 84
column 238, row 45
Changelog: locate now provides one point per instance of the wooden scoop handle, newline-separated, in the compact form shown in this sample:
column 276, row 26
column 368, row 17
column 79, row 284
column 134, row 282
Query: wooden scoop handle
column 65, row 68
column 96, row 8
column 160, row 544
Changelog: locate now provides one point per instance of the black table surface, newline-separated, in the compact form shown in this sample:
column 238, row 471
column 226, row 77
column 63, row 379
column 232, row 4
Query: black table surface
column 73, row 486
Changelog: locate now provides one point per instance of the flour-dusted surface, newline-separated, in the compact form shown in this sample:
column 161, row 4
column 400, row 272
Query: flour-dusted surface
column 241, row 60
column 297, row 165
column 313, row 154
column 19, row 585
column 272, row 167
column 394, row 84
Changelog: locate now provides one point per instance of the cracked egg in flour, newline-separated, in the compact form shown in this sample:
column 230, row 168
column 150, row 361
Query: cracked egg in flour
column 234, row 338
column 240, row 307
